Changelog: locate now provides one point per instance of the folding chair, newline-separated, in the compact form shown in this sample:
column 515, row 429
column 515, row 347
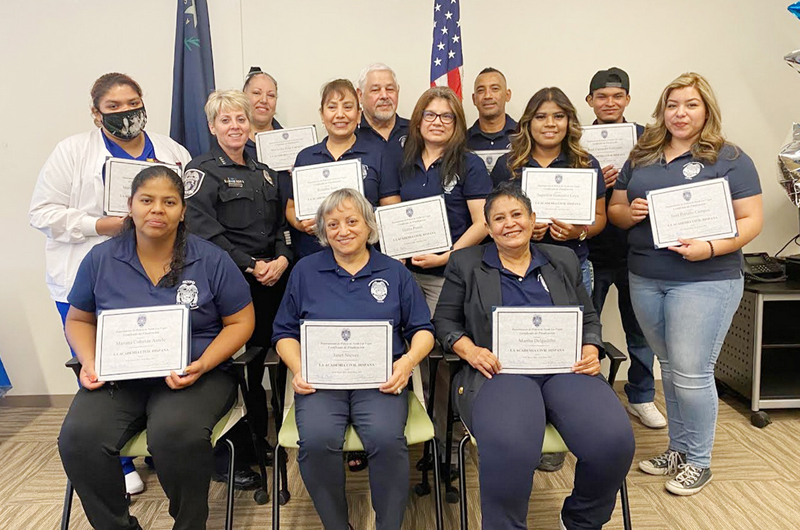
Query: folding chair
column 137, row 445
column 419, row 429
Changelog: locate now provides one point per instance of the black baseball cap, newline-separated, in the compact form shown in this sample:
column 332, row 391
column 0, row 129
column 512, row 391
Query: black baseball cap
column 613, row 77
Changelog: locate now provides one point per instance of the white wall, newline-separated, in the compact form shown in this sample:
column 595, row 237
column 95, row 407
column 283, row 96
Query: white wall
column 53, row 50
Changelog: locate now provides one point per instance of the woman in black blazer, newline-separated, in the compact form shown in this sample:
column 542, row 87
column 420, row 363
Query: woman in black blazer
column 507, row 413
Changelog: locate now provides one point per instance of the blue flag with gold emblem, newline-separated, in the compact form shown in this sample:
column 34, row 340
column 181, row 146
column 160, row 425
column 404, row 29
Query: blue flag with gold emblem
column 192, row 77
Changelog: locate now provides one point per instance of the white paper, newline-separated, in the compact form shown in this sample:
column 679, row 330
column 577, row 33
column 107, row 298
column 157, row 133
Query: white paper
column 278, row 148
column 569, row 195
column 142, row 342
column 346, row 355
column 312, row 184
column 702, row 210
column 609, row 143
column 414, row 227
column 119, row 174
column 537, row 340
column 490, row 157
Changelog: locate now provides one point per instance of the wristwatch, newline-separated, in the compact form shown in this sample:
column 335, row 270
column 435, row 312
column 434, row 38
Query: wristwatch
column 584, row 233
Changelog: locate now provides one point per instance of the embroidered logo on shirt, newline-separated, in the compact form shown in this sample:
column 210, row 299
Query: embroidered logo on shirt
column 403, row 140
column 692, row 169
column 192, row 180
column 364, row 171
column 187, row 294
column 450, row 184
column 345, row 334
column 379, row 289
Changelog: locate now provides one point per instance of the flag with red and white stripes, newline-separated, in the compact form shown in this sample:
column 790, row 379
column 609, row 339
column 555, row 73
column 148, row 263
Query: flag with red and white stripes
column 447, row 61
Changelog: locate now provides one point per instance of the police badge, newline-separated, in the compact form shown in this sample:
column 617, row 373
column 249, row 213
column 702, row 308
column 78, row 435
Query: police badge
column 379, row 289
column 187, row 294
column 537, row 320
column 268, row 178
column 345, row 334
column 687, row 195
column 192, row 180
column 692, row 169
column 142, row 320
column 559, row 179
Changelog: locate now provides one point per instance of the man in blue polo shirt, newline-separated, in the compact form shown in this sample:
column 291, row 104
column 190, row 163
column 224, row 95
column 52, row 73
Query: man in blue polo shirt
column 492, row 130
column 609, row 96
column 378, row 92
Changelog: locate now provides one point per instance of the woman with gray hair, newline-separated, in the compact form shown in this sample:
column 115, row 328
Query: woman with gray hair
column 349, row 279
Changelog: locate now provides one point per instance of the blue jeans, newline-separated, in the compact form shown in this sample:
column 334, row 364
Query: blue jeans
column 685, row 323
column 641, row 387
column 586, row 275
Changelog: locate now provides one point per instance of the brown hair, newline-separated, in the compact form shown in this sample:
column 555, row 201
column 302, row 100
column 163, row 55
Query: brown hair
column 106, row 82
column 522, row 141
column 337, row 87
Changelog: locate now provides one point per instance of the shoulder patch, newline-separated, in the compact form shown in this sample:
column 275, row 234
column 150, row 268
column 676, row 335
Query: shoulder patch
column 192, row 180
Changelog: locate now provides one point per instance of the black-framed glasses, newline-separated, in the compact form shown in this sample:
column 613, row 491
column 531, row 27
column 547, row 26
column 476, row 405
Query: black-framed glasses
column 446, row 118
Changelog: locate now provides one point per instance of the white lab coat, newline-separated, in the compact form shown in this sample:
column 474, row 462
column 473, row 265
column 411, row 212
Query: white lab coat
column 68, row 200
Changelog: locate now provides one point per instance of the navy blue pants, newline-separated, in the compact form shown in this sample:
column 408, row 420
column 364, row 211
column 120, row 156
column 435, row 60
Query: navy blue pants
column 380, row 421
column 508, row 421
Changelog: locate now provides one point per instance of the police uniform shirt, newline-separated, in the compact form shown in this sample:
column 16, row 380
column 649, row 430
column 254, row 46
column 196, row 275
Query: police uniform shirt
column 397, row 137
column 664, row 264
column 319, row 289
column 112, row 277
column 501, row 173
column 477, row 140
column 236, row 207
column 529, row 290
column 609, row 248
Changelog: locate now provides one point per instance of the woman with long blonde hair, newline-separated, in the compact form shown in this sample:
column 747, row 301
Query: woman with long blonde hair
column 685, row 296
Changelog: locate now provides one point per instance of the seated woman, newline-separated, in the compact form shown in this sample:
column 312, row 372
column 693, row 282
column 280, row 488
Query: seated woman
column 350, row 280
column 340, row 114
column 153, row 262
column 508, row 413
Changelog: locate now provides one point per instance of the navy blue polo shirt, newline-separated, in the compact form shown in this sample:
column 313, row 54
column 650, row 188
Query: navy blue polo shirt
column 501, row 173
column 520, row 291
column 397, row 137
column 477, row 140
column 112, row 277
column 664, row 264
column 609, row 248
column 319, row 289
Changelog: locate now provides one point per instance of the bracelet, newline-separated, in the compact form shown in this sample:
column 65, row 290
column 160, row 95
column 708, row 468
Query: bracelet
column 711, row 245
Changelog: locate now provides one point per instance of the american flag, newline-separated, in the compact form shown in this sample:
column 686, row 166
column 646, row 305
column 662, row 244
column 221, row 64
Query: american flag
column 447, row 61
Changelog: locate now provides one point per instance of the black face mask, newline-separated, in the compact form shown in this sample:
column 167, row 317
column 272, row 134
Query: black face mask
column 125, row 125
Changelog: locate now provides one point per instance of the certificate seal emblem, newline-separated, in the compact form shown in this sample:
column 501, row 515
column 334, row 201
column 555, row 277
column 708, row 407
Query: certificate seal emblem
column 450, row 184
column 187, row 294
column 604, row 134
column 687, row 195
column 379, row 289
column 142, row 320
column 410, row 212
column 285, row 136
column 692, row 169
column 537, row 320
column 345, row 334
column 489, row 160
column 326, row 173
column 559, row 179
column 192, row 180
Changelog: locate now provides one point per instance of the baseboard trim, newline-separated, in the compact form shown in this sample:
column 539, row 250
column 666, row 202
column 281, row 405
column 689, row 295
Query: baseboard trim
column 38, row 401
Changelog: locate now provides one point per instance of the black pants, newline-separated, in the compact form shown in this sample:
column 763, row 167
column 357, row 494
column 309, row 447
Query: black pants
column 179, row 424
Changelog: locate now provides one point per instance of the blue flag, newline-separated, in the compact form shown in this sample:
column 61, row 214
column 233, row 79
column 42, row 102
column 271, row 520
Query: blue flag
column 5, row 383
column 192, row 77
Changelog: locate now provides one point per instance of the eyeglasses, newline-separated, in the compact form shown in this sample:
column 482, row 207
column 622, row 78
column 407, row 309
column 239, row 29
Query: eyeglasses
column 447, row 118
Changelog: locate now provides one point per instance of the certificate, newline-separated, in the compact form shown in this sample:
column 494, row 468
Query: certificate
column 537, row 340
column 278, row 148
column 346, row 354
column 702, row 210
column 490, row 157
column 312, row 184
column 611, row 143
column 414, row 227
column 569, row 195
column 142, row 342
column 119, row 174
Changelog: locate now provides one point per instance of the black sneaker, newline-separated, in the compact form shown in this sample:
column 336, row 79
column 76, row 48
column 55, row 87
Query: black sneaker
column 690, row 480
column 551, row 462
column 666, row 463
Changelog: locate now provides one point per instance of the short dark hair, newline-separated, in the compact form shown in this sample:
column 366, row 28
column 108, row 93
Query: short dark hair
column 106, row 82
column 491, row 70
column 338, row 87
column 506, row 189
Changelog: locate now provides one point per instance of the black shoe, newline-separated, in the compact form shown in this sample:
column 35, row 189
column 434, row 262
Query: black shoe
column 551, row 462
column 243, row 479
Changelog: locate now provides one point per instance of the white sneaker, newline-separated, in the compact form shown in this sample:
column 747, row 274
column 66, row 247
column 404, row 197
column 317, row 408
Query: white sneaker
column 133, row 483
column 648, row 414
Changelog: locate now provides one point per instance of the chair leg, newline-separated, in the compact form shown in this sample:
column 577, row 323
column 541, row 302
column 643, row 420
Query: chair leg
column 437, row 483
column 451, row 493
column 462, row 476
column 626, row 509
column 283, row 494
column 231, row 468
column 276, row 485
column 612, row 372
column 65, row 514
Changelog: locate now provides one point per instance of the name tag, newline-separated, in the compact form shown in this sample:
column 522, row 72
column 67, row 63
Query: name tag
column 234, row 183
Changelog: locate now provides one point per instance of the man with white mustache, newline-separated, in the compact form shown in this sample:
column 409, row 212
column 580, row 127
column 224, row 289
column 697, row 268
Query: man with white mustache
column 378, row 93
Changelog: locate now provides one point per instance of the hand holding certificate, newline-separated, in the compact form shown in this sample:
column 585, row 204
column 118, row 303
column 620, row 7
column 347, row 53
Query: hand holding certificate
column 569, row 195
column 119, row 174
column 278, row 149
column 609, row 143
column 537, row 340
column 490, row 157
column 414, row 227
column 312, row 184
column 702, row 210
column 346, row 355
column 142, row 342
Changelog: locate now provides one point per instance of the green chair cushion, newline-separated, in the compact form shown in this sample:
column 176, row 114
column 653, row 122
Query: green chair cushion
column 553, row 443
column 137, row 446
column 418, row 428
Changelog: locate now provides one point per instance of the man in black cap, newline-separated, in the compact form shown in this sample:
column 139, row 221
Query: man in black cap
column 609, row 96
